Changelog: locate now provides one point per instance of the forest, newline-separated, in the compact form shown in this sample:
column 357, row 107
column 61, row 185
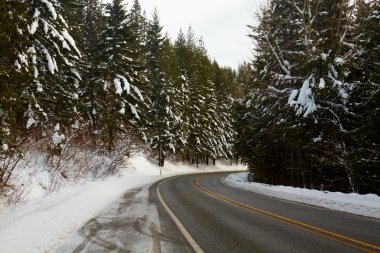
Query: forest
column 84, row 77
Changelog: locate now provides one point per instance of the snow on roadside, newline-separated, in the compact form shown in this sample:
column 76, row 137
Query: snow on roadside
column 44, row 221
column 41, row 225
column 365, row 205
column 140, row 164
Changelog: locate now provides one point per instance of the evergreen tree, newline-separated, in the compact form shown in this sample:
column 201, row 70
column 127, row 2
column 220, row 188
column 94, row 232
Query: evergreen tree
column 197, row 74
column 138, row 29
column 184, row 60
column 74, row 13
column 162, row 77
column 327, row 89
column 53, row 96
column 175, row 95
column 243, row 79
column 300, row 63
column 365, row 99
column 161, row 137
column 200, row 87
column 264, row 115
column 206, row 122
column 118, row 104
column 137, row 26
column 220, row 111
column 92, row 92
column 14, row 78
column 41, row 85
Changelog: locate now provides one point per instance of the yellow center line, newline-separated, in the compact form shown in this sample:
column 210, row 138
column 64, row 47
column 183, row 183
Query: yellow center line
column 294, row 223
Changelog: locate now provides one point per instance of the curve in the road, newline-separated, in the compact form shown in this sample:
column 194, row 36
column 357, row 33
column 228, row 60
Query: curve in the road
column 191, row 207
column 306, row 227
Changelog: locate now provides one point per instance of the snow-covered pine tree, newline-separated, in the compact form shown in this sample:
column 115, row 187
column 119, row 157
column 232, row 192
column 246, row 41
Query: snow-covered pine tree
column 324, row 72
column 264, row 115
column 118, row 107
column 202, row 114
column 243, row 79
column 175, row 92
column 15, row 75
column 183, row 60
column 91, row 86
column 137, row 23
column 199, row 75
column 164, row 129
column 74, row 14
column 365, row 98
column 301, row 53
column 138, row 28
column 220, row 111
column 53, row 54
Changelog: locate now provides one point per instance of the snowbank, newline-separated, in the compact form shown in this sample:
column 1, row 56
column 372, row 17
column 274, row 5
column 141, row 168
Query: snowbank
column 44, row 221
column 40, row 225
column 366, row 205
column 139, row 164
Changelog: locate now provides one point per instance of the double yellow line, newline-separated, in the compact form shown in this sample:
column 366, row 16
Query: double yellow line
column 347, row 241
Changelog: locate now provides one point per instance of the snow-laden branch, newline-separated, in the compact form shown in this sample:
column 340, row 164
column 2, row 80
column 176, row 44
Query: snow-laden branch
column 336, row 117
column 350, row 16
column 277, row 57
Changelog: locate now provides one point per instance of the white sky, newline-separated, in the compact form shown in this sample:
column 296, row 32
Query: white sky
column 221, row 23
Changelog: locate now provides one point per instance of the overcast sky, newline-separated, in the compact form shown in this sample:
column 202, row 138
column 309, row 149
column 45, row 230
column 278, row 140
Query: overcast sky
column 221, row 23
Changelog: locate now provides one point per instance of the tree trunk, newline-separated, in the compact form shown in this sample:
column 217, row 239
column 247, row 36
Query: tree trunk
column 161, row 159
column 302, row 168
column 110, row 139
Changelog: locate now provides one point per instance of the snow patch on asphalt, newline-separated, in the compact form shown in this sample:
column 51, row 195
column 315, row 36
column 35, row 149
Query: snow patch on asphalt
column 365, row 205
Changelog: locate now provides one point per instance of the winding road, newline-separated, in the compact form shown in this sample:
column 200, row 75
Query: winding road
column 199, row 213
column 223, row 219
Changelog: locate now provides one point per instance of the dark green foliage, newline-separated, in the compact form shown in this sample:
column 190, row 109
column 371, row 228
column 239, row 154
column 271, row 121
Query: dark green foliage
column 206, row 89
column 88, row 36
column 299, row 124
column 14, row 69
column 161, row 93
column 54, row 93
column 118, row 103
column 74, row 13
column 365, row 98
column 14, row 78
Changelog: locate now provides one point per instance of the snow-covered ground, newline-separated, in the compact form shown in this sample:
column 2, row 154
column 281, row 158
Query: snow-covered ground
column 366, row 205
column 44, row 220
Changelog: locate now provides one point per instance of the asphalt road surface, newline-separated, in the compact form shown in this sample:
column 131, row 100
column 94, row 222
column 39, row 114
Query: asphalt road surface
column 223, row 219
column 199, row 213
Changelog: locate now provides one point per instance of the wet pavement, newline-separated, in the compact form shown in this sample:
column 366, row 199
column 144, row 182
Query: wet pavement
column 131, row 224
